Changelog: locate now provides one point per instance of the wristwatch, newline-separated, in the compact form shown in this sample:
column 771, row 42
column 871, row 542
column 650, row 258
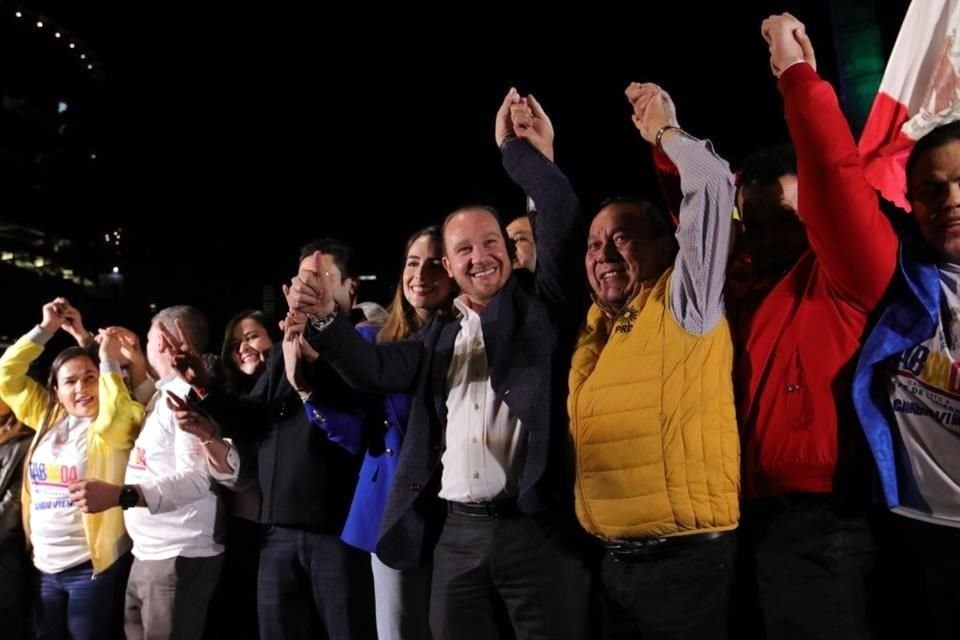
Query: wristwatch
column 321, row 323
column 233, row 458
column 129, row 497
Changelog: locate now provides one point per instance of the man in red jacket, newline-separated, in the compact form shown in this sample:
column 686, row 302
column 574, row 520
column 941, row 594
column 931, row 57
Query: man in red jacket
column 800, row 328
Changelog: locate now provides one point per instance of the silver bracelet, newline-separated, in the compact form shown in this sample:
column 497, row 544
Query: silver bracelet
column 319, row 324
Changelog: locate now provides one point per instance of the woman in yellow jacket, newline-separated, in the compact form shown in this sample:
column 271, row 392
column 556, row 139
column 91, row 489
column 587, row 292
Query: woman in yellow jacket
column 86, row 424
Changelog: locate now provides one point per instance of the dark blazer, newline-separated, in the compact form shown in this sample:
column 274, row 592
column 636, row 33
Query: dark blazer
column 528, row 330
column 306, row 481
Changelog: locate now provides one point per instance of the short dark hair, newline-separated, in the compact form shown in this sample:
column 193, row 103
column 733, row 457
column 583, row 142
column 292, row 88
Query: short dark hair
column 660, row 223
column 769, row 164
column 941, row 136
column 341, row 252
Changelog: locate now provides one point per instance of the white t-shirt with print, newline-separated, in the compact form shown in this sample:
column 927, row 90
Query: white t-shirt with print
column 924, row 393
column 56, row 526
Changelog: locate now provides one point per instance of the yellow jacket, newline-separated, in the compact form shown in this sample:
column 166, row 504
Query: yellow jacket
column 110, row 437
column 653, row 423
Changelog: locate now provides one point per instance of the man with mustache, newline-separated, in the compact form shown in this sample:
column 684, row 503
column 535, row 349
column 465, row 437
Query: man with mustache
column 651, row 396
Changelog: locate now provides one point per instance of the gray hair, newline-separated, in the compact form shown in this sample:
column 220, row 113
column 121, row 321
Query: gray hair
column 193, row 321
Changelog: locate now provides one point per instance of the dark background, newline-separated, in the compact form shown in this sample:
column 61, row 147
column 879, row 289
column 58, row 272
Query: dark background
column 218, row 140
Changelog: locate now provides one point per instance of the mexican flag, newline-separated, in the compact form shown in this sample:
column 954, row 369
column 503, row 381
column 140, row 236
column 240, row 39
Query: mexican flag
column 920, row 90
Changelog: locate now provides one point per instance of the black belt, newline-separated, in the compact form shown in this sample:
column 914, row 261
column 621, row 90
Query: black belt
column 487, row 510
column 791, row 502
column 651, row 548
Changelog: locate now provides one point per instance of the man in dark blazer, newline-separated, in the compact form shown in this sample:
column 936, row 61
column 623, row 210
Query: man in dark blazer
column 483, row 486
column 310, row 583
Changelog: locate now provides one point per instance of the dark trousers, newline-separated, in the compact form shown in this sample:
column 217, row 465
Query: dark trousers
column 530, row 565
column 15, row 590
column 313, row 585
column 233, row 608
column 812, row 560
column 15, row 629
column 920, row 565
column 677, row 594
column 76, row 605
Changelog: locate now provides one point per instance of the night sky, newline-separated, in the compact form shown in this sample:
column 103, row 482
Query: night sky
column 364, row 124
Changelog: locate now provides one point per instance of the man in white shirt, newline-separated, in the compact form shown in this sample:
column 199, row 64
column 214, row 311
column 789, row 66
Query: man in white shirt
column 170, row 502
column 481, row 488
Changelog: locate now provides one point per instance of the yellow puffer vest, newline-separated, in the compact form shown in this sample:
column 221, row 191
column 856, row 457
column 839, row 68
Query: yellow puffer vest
column 653, row 423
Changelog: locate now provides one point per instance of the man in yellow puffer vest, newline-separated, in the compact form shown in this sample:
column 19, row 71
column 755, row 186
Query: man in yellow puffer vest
column 651, row 395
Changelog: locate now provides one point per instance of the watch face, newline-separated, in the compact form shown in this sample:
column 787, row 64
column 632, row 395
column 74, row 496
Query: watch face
column 129, row 498
column 233, row 459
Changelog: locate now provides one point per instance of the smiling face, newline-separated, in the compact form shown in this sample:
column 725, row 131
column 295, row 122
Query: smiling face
column 77, row 382
column 425, row 282
column 249, row 345
column 624, row 249
column 476, row 254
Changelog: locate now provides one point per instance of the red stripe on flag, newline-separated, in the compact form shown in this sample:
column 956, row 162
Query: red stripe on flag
column 884, row 149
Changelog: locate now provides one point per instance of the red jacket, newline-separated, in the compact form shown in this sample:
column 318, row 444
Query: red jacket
column 800, row 338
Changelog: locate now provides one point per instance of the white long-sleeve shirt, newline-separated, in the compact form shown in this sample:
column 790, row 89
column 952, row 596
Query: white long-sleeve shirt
column 171, row 469
column 483, row 458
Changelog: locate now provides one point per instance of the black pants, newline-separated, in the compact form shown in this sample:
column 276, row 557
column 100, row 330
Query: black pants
column 14, row 619
column 313, row 585
column 920, row 563
column 233, row 609
column 670, row 596
column 533, row 564
column 15, row 590
column 813, row 564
